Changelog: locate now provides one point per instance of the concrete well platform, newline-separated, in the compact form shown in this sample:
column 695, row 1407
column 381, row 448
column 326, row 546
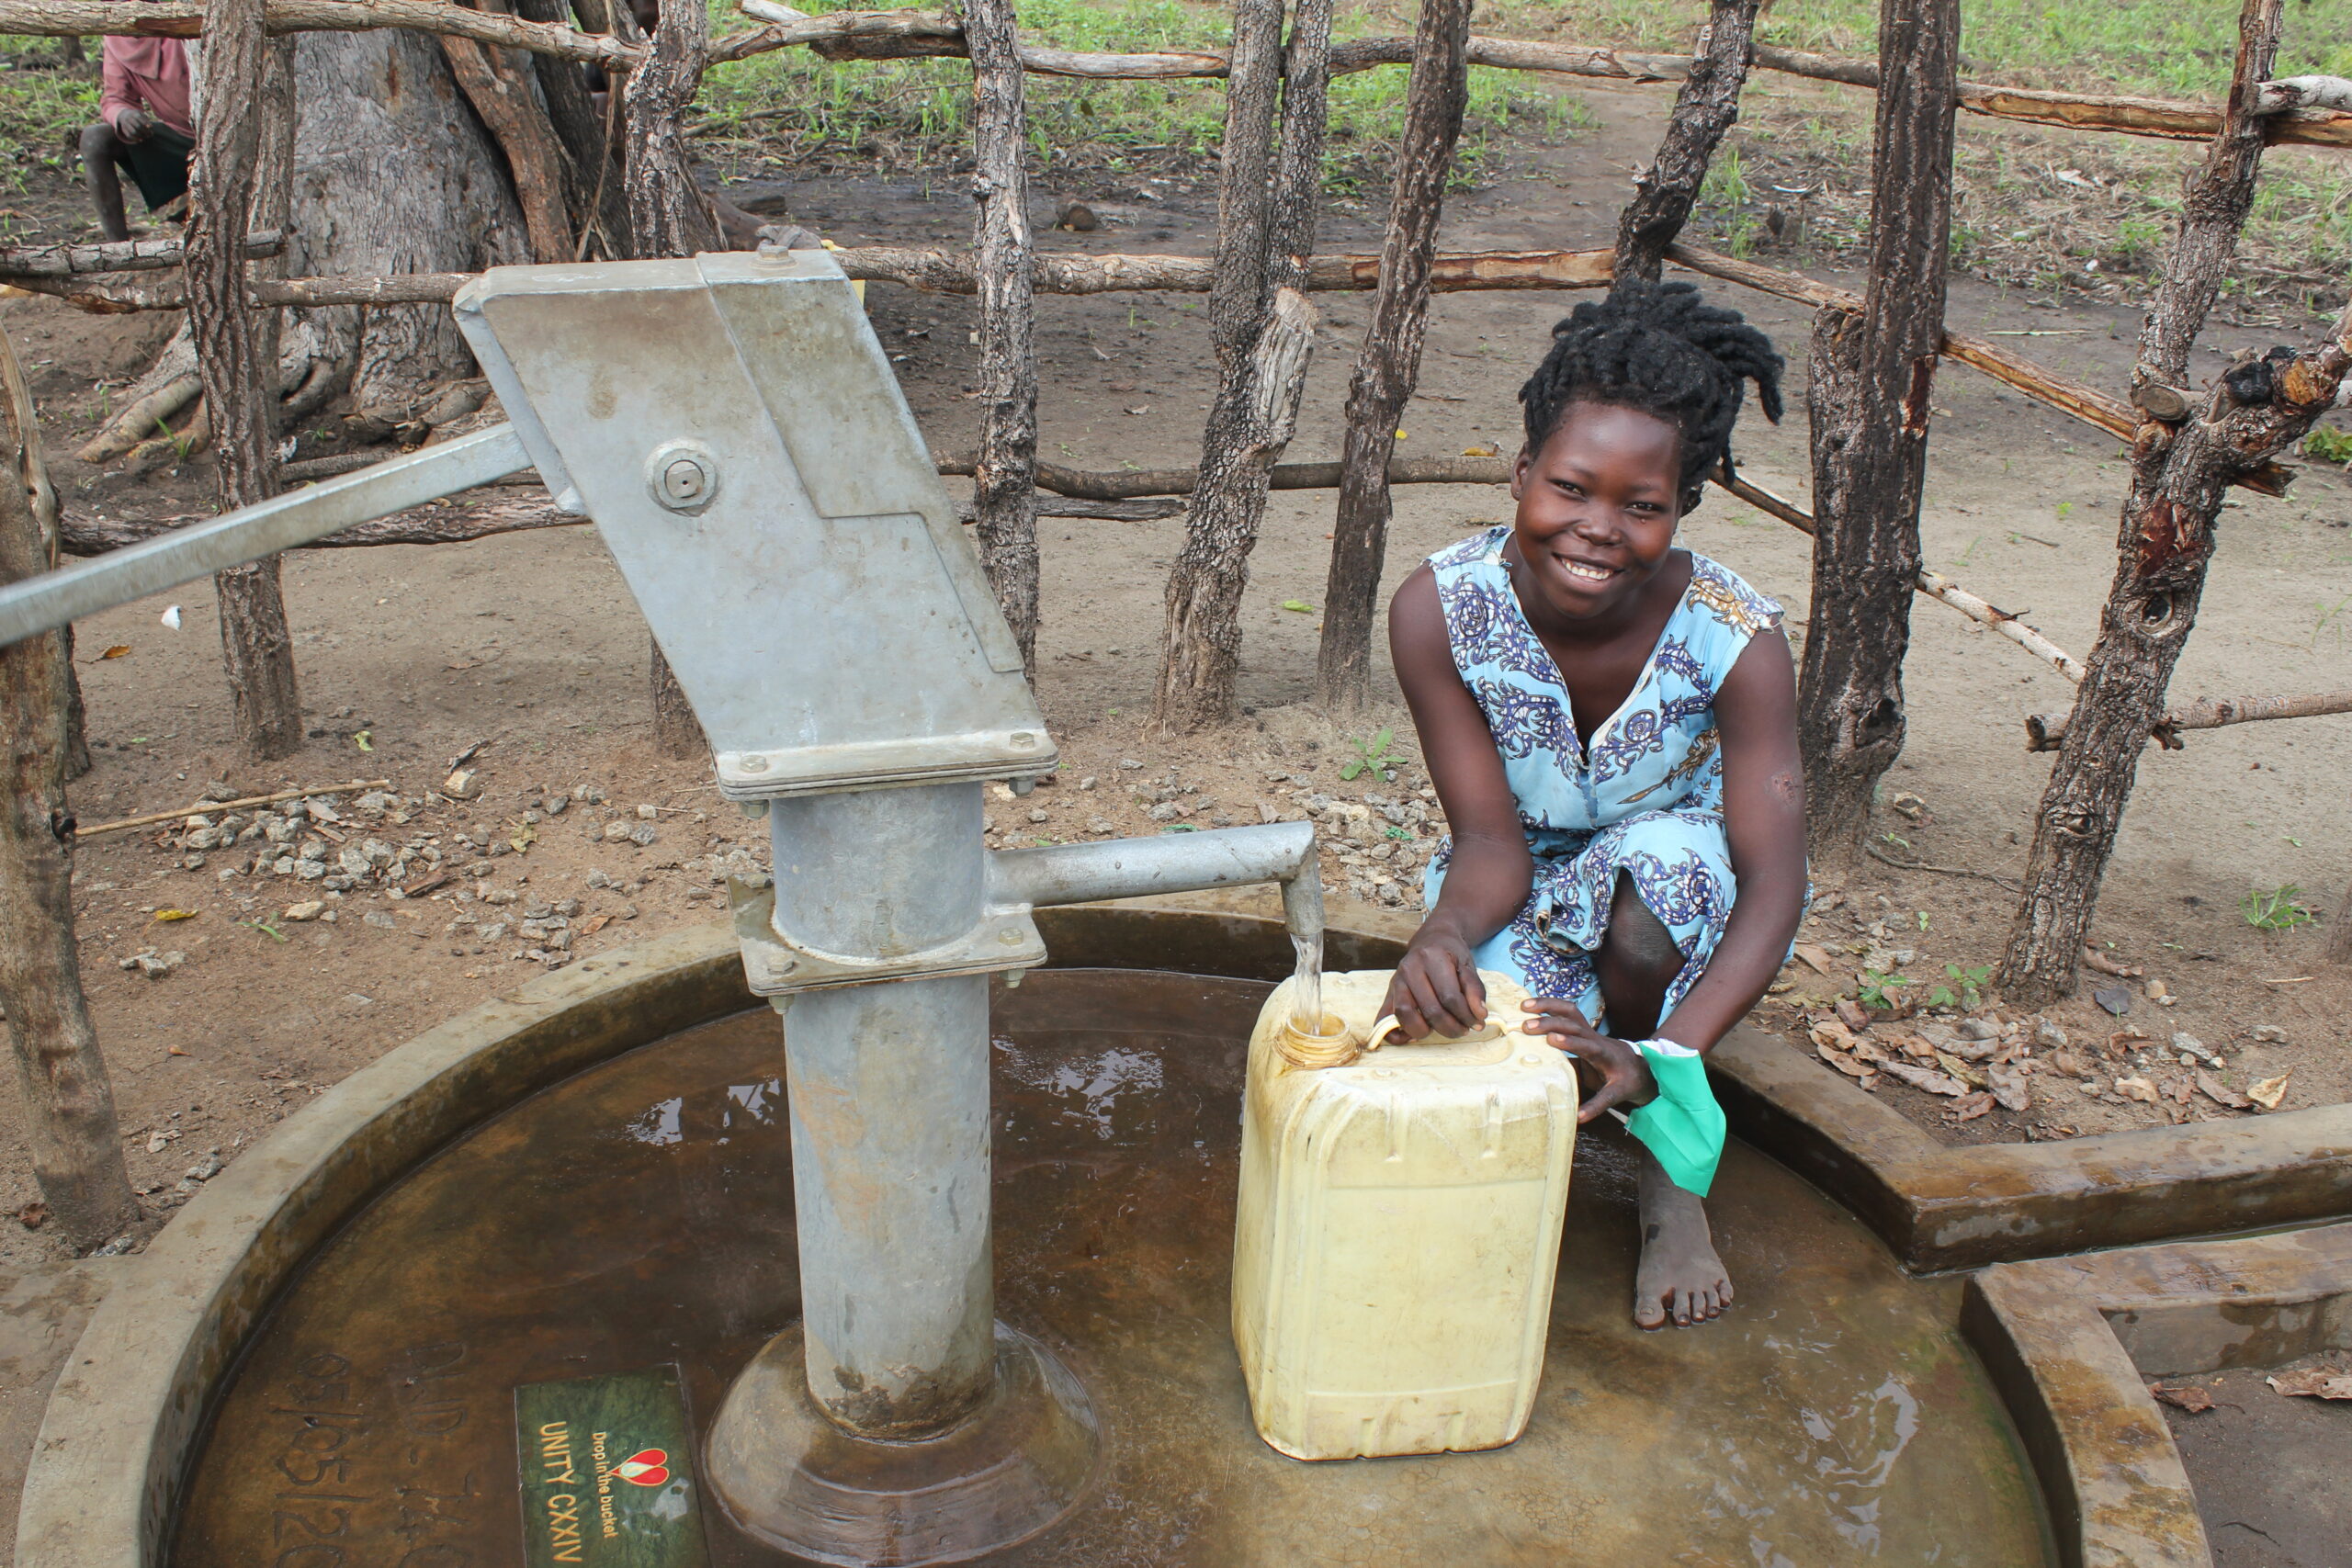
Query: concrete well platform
column 636, row 1217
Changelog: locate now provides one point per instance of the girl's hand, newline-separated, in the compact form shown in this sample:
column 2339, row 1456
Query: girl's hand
column 1625, row 1076
column 1436, row 989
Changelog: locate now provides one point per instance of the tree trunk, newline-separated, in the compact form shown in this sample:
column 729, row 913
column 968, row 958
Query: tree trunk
column 1004, row 490
column 1871, row 385
column 32, row 473
column 1389, row 362
column 2179, row 474
column 236, row 352
column 1263, row 333
column 592, row 193
column 502, row 86
column 393, row 173
column 668, row 217
column 1706, row 106
column 69, row 1107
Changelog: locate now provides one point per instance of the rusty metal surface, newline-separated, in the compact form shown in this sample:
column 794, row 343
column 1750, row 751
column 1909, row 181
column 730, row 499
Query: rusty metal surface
column 631, row 1215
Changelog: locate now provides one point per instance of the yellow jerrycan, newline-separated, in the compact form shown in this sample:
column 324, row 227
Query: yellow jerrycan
column 1398, row 1226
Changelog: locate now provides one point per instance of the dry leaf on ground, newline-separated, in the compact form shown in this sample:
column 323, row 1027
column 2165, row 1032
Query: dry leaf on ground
column 1844, row 1064
column 2221, row 1093
column 2314, row 1383
column 1925, row 1078
column 2115, row 1000
column 1959, row 1070
column 33, row 1215
column 1851, row 1015
column 2269, row 1091
column 2187, row 1396
column 1969, row 1106
column 2136, row 1088
column 1815, row 955
column 2008, row 1086
column 2094, row 959
column 1832, row 1033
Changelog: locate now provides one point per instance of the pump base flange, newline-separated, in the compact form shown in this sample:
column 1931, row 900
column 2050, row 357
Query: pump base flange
column 788, row 1476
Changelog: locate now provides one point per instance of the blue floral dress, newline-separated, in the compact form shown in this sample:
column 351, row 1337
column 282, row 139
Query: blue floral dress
column 1646, row 797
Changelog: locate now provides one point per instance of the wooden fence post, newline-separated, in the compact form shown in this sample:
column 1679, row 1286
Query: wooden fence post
column 1263, row 328
column 244, row 159
column 668, row 217
column 1389, row 362
column 1706, row 106
column 69, row 1106
column 1870, row 392
column 2180, row 473
column 1004, row 490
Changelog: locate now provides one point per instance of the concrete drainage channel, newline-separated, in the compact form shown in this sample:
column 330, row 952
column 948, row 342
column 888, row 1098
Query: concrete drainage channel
column 2062, row 1342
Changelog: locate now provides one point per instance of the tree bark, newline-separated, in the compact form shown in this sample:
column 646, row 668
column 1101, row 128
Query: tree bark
column 394, row 175
column 1871, row 383
column 2178, row 476
column 1004, row 487
column 1706, row 106
column 668, row 217
column 69, row 1107
column 1389, row 362
column 500, row 84
column 1263, row 331
column 236, row 353
column 592, row 193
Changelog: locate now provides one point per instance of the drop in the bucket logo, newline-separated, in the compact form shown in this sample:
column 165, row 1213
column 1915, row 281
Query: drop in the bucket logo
column 646, row 1467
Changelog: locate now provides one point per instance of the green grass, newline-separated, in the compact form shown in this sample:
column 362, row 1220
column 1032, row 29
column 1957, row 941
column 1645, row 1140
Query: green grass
column 40, row 110
column 2155, row 48
column 915, row 114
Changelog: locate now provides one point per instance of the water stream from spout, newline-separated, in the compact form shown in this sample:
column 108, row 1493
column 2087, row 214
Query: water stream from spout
column 1303, row 913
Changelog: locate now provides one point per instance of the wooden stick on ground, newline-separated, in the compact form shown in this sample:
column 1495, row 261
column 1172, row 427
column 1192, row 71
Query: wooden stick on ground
column 206, row 808
column 1389, row 361
column 1004, row 487
column 75, row 1142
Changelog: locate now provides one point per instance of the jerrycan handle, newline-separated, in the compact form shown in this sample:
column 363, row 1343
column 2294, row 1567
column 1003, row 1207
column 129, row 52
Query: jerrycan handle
column 1490, row 1030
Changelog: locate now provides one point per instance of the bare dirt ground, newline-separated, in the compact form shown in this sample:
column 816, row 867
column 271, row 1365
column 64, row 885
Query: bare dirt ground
column 529, row 646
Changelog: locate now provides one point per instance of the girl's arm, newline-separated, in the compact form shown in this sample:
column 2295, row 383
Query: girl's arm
column 1756, row 720
column 1487, row 879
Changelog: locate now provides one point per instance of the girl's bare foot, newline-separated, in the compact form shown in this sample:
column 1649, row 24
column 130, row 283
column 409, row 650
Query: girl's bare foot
column 1680, row 1278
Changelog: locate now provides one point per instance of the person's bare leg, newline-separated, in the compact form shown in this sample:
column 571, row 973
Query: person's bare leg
column 106, row 185
column 1680, row 1279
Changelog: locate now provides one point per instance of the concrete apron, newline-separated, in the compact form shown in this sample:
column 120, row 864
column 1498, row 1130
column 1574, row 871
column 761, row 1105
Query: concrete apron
column 121, row 1423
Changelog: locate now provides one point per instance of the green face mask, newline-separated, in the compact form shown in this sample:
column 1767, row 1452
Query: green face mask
column 1683, row 1126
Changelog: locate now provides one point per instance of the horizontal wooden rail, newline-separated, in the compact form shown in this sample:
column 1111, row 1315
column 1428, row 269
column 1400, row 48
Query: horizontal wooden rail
column 2093, row 408
column 2044, row 730
column 889, row 35
column 950, row 272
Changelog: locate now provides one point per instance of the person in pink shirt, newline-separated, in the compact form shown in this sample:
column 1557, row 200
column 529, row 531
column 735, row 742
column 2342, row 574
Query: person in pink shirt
column 146, row 128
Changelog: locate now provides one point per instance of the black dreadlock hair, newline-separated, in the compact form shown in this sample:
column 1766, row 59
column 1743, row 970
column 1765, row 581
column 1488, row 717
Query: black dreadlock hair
column 1660, row 348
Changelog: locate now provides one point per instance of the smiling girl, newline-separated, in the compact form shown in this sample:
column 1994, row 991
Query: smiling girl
column 1611, row 723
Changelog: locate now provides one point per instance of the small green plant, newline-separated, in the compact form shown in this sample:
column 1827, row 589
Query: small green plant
column 1875, row 986
column 2329, row 446
column 1369, row 759
column 1971, row 982
column 1923, row 920
column 2280, row 909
